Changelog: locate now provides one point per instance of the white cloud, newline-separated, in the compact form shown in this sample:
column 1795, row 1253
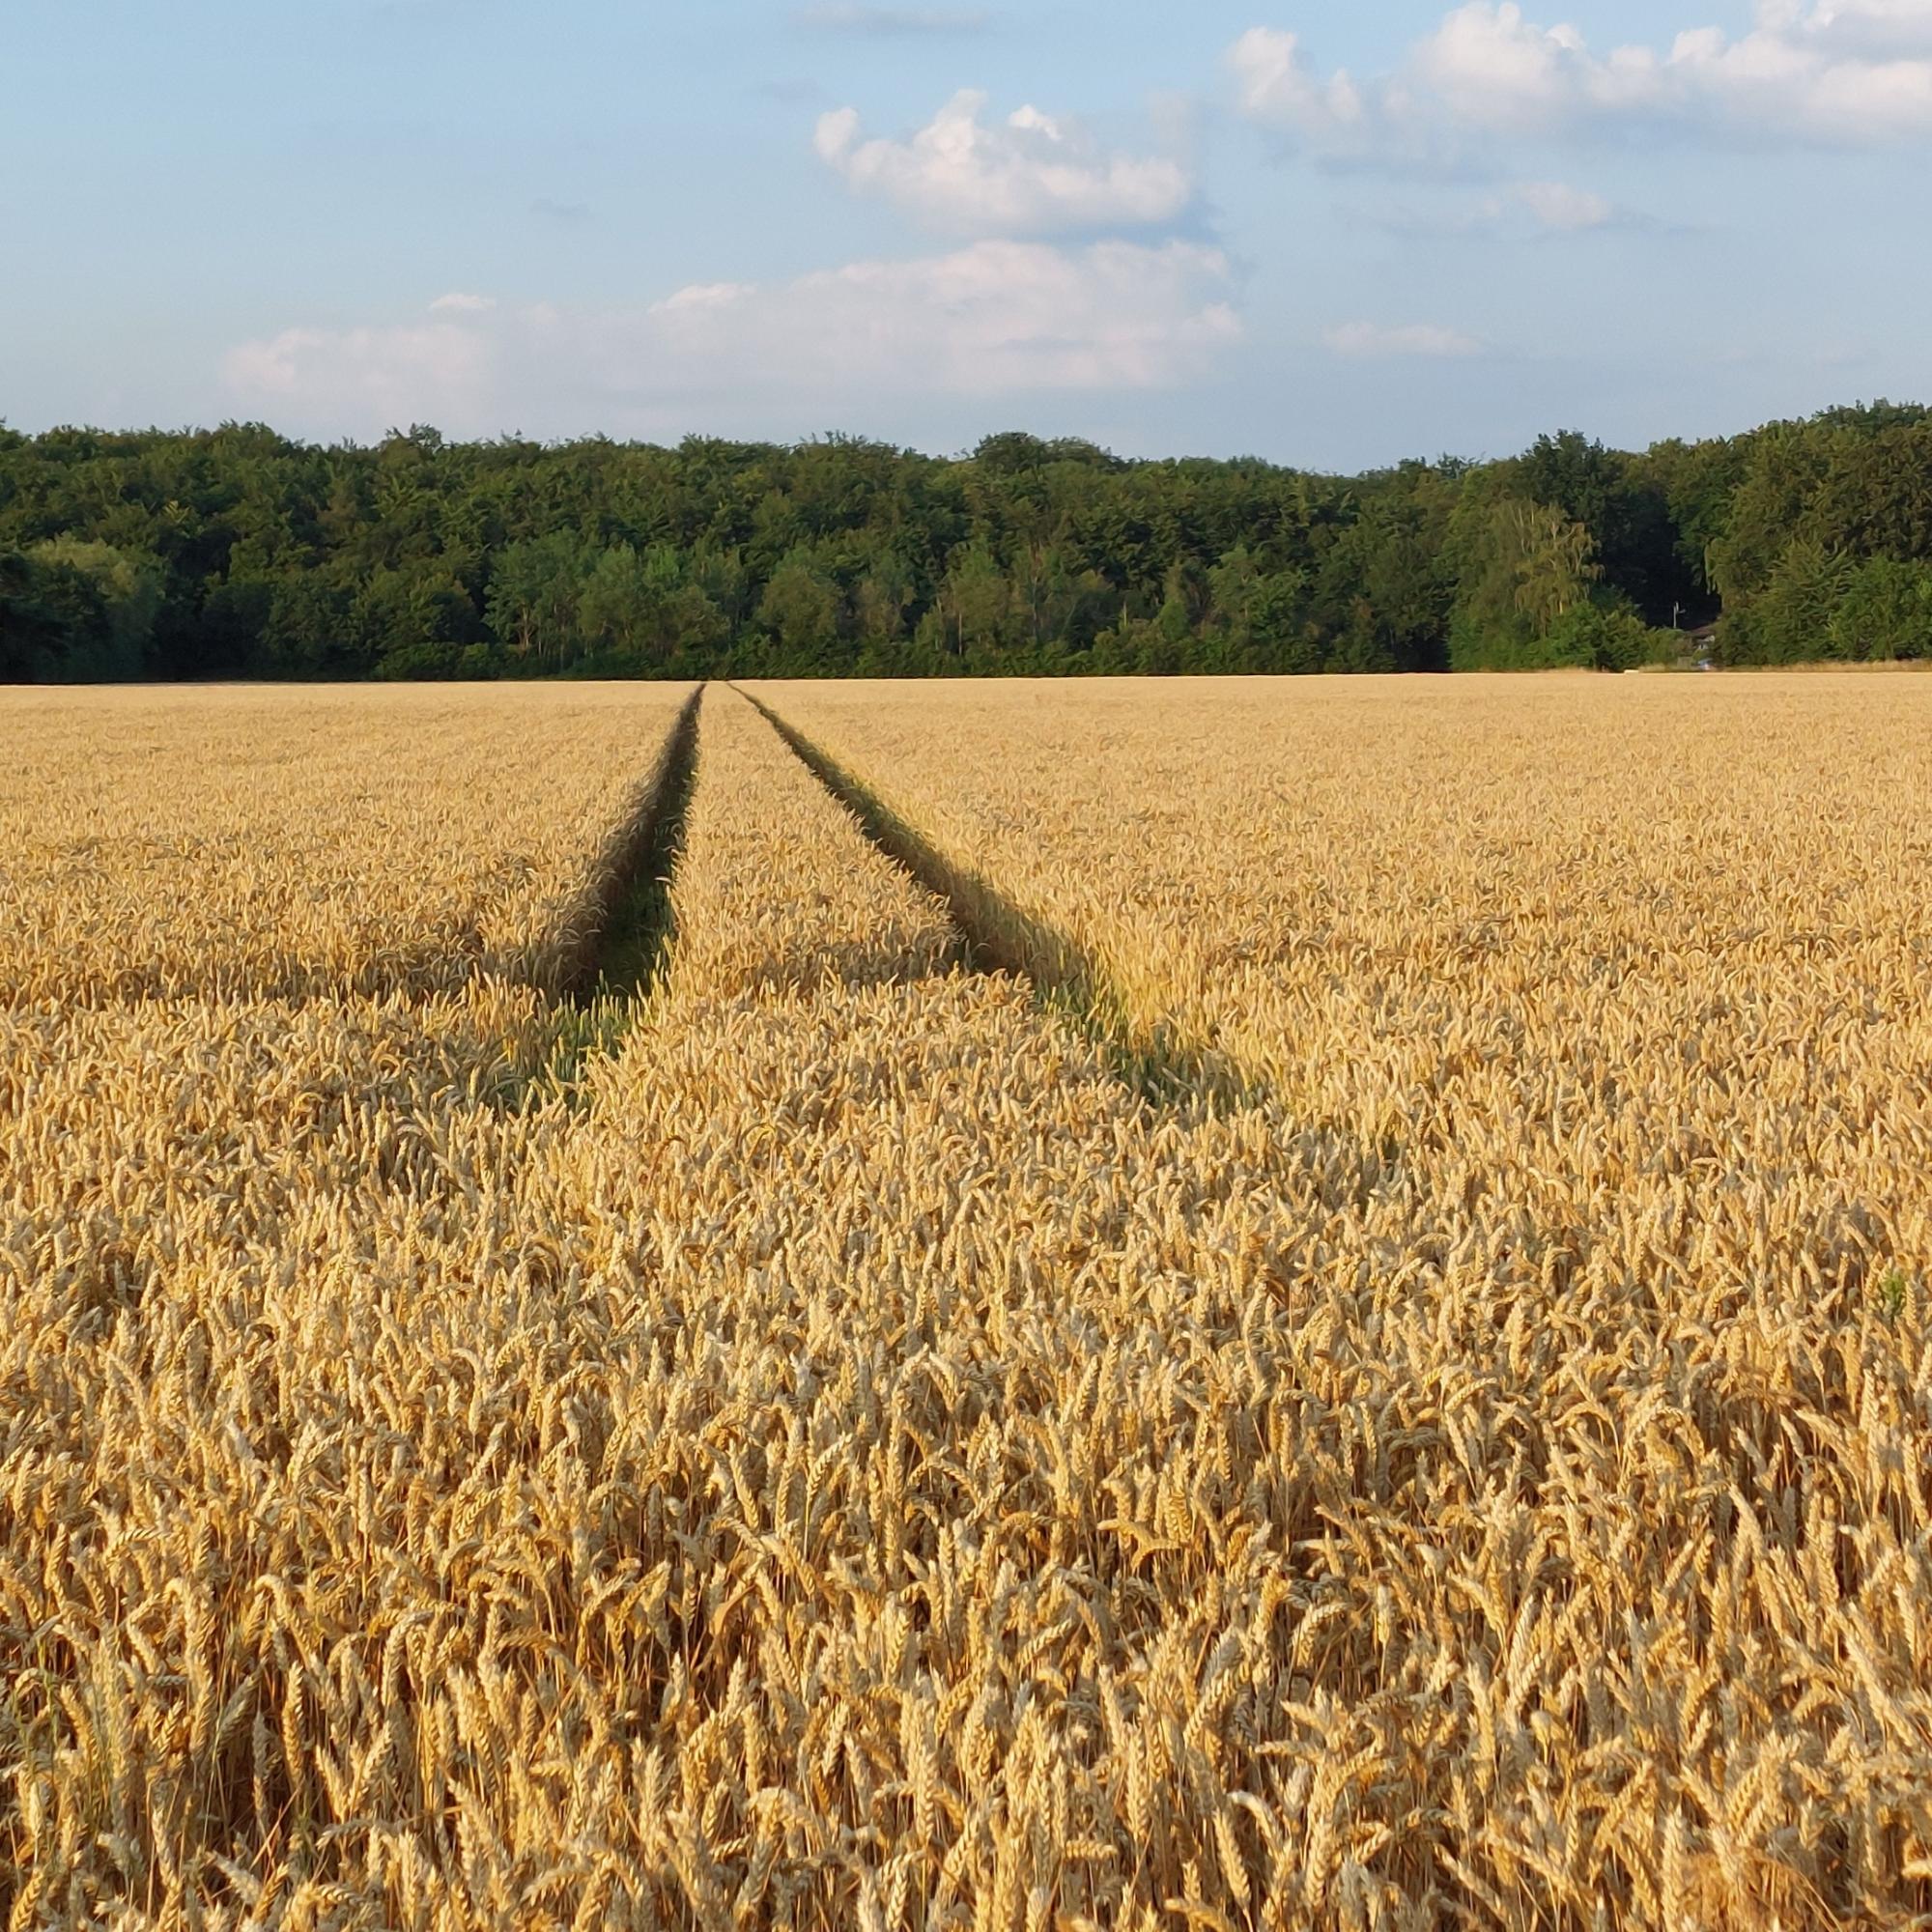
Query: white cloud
column 420, row 372
column 456, row 304
column 1841, row 71
column 997, row 318
column 1030, row 174
column 1881, row 27
column 1277, row 83
column 1364, row 341
column 1526, row 210
column 1487, row 64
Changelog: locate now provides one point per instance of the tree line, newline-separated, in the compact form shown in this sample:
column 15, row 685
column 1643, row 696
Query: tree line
column 238, row 552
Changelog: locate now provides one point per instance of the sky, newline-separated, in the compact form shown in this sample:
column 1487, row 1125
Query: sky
column 1331, row 235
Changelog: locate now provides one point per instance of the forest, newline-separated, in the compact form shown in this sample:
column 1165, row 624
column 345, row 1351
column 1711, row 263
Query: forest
column 236, row 552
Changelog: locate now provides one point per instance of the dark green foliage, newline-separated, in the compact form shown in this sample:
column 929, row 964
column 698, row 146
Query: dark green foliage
column 239, row 553
column 1624, row 507
column 1827, row 531
column 75, row 610
column 1602, row 635
column 1884, row 612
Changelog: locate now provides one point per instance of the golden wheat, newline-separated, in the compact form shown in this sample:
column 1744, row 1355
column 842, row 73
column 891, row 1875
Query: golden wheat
column 259, row 844
column 840, row 1455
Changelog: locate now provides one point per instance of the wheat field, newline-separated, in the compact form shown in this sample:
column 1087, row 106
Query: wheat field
column 1279, row 1304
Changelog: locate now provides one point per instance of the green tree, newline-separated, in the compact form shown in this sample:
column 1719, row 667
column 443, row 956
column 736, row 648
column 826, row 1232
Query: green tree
column 802, row 607
column 128, row 591
column 621, row 609
column 534, row 599
column 1883, row 610
column 1524, row 567
column 644, row 618
column 34, row 631
column 237, row 550
column 883, row 597
column 1282, row 637
column 975, row 601
column 1626, row 511
column 1790, row 620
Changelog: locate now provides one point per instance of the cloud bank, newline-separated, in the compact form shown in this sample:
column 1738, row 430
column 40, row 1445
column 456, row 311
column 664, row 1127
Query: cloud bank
column 996, row 318
column 1849, row 72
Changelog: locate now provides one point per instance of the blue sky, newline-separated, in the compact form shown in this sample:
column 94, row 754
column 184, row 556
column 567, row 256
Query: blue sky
column 1327, row 234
